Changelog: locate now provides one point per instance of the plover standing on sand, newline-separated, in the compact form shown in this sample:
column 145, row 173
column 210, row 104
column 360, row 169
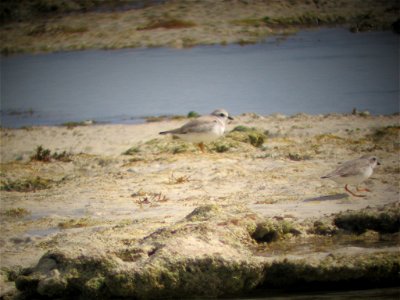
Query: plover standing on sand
column 203, row 129
column 354, row 172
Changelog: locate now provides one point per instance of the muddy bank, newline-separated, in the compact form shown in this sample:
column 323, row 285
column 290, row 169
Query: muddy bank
column 118, row 211
column 48, row 26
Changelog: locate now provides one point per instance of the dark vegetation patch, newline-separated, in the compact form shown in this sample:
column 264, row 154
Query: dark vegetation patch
column 45, row 155
column 387, row 221
column 193, row 114
column 272, row 230
column 250, row 135
column 337, row 272
column 11, row 10
column 73, row 124
column 76, row 223
column 362, row 21
column 168, row 23
column 18, row 212
column 26, row 185
column 385, row 133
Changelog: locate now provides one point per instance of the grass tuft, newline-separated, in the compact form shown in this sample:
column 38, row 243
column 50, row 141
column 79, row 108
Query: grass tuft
column 72, row 223
column 42, row 154
column 270, row 231
column 193, row 114
column 299, row 157
column 251, row 135
column 169, row 23
column 242, row 128
column 221, row 148
column 18, row 212
column 26, row 185
column 179, row 179
column 132, row 151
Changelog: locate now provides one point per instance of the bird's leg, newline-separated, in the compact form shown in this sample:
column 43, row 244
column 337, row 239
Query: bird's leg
column 355, row 195
column 201, row 146
column 363, row 190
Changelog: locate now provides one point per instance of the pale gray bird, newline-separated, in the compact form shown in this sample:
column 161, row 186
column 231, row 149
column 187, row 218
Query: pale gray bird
column 204, row 129
column 354, row 172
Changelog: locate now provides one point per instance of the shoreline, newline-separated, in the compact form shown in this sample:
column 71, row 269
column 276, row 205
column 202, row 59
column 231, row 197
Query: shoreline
column 177, row 24
column 126, row 120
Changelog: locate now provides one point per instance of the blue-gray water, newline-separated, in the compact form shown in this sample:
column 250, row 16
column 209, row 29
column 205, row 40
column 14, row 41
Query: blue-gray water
column 321, row 71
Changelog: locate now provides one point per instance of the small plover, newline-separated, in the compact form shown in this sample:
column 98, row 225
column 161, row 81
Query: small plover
column 354, row 172
column 203, row 129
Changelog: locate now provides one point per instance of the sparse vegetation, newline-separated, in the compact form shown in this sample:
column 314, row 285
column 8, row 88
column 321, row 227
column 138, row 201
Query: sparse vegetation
column 364, row 21
column 163, row 118
column 26, row 185
column 44, row 28
column 35, row 9
column 18, row 212
column 77, row 223
column 149, row 198
column 249, row 135
column 180, row 149
column 242, row 128
column 167, row 23
column 73, row 124
column 387, row 221
column 41, row 154
column 271, row 230
column 132, row 151
column 388, row 132
column 179, row 179
column 298, row 157
column 323, row 228
column 193, row 114
column 45, row 155
column 221, row 147
column 204, row 213
column 57, row 25
column 63, row 156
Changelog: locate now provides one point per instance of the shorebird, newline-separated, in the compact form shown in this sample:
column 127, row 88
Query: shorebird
column 354, row 172
column 203, row 129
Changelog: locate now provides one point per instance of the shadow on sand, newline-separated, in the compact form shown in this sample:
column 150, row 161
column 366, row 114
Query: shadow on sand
column 328, row 198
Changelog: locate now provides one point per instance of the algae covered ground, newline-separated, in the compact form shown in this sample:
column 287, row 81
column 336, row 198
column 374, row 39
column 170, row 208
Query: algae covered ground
column 57, row 25
column 117, row 211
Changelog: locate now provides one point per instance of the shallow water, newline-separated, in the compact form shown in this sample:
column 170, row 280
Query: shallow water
column 321, row 71
column 384, row 293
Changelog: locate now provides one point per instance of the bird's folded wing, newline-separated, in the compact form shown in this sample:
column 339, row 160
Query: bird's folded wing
column 196, row 126
column 352, row 168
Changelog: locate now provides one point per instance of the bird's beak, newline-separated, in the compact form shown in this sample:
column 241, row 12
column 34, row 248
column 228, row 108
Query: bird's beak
column 230, row 118
column 378, row 163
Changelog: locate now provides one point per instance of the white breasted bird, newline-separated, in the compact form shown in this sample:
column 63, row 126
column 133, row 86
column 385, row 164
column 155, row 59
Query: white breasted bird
column 354, row 172
column 204, row 129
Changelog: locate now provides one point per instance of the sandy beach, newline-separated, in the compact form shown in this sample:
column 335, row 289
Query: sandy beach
column 119, row 185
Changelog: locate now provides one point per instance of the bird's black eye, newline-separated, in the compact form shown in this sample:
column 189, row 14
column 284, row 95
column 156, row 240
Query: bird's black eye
column 222, row 115
column 374, row 159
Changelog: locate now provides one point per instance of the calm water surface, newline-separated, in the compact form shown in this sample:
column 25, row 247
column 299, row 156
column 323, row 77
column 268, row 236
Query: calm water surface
column 322, row 71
